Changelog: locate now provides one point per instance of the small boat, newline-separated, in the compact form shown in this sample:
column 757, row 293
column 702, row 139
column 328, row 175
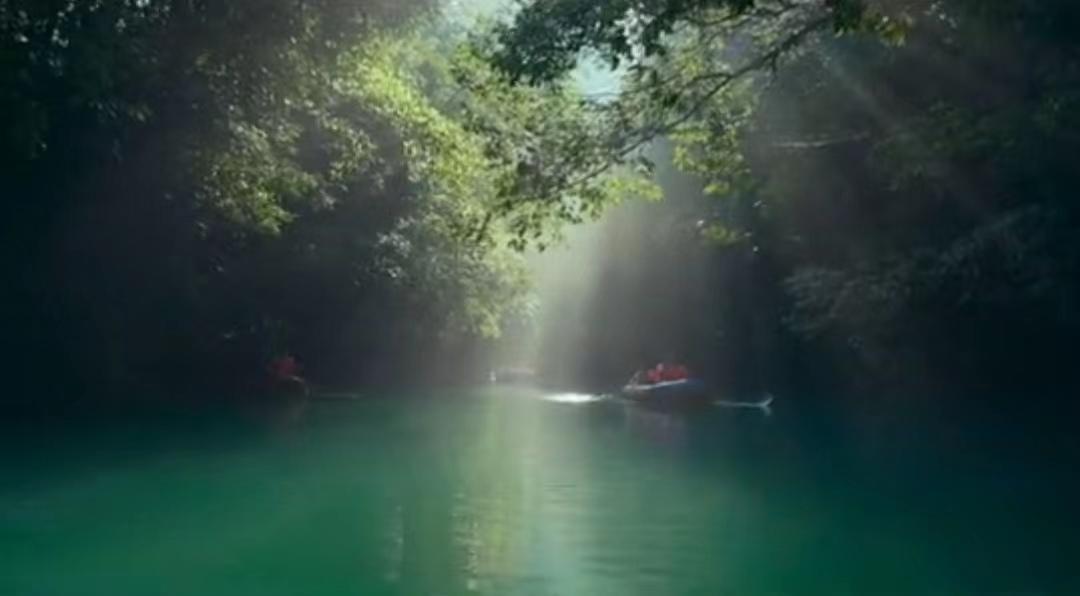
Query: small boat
column 679, row 393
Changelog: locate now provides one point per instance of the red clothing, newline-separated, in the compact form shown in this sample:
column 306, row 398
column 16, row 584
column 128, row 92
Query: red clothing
column 676, row 372
column 284, row 367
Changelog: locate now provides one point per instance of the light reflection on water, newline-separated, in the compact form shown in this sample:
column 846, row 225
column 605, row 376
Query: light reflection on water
column 509, row 493
column 573, row 398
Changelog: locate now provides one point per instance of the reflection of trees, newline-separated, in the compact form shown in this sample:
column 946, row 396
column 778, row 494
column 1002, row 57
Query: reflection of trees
column 460, row 503
column 545, row 504
column 479, row 503
column 519, row 494
column 490, row 511
column 429, row 561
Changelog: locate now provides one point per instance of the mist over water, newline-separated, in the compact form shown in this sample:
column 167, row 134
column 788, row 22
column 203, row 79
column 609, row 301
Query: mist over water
column 637, row 286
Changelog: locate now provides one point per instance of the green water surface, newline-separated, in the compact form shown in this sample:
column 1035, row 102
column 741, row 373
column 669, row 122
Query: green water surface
column 504, row 491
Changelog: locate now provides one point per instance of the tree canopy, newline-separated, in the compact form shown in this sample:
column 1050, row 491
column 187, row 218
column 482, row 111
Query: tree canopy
column 899, row 171
column 210, row 183
column 194, row 185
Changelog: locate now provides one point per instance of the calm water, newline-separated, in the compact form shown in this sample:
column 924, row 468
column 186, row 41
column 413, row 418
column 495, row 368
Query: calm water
column 518, row 492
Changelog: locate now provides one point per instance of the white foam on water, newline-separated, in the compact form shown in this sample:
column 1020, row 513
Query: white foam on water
column 572, row 398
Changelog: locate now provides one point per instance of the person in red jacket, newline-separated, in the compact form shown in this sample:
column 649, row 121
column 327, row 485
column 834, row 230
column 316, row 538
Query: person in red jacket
column 284, row 377
column 662, row 372
column 284, row 367
column 666, row 371
column 653, row 375
column 674, row 372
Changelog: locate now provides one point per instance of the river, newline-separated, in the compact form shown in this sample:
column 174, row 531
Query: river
column 517, row 491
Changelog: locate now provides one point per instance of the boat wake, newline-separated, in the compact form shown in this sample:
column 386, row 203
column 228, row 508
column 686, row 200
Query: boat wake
column 573, row 398
column 765, row 405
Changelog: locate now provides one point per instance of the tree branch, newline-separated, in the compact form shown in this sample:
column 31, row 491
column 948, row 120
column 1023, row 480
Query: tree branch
column 723, row 79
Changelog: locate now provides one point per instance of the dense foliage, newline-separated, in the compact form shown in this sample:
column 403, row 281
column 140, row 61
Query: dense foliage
column 892, row 180
column 881, row 190
column 195, row 187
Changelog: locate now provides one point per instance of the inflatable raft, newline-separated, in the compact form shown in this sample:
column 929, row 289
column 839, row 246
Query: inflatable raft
column 683, row 392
